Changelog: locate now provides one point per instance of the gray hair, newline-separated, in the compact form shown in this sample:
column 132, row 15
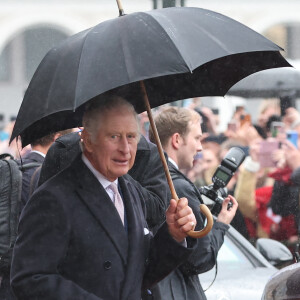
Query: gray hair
column 95, row 108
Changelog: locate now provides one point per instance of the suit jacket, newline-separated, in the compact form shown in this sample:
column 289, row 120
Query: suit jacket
column 183, row 283
column 31, row 157
column 73, row 245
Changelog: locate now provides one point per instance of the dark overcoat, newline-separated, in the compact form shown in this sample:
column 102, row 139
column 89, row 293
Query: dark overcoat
column 72, row 244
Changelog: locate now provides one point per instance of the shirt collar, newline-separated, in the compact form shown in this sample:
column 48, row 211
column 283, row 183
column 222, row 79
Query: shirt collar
column 38, row 152
column 173, row 162
column 102, row 179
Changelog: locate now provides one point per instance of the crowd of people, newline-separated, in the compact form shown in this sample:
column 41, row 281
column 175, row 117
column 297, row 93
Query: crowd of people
column 98, row 221
column 266, row 185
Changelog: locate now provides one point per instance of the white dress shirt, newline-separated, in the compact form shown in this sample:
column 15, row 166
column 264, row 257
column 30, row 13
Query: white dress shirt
column 173, row 162
column 102, row 179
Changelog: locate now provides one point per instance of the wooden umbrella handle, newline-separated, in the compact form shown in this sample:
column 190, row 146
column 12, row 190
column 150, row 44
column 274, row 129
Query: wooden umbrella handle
column 204, row 209
column 210, row 222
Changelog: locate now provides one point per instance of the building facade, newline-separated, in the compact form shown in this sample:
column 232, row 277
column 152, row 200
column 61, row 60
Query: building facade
column 29, row 28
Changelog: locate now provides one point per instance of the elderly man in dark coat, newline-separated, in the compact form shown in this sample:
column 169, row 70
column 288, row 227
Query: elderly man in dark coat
column 80, row 238
column 147, row 170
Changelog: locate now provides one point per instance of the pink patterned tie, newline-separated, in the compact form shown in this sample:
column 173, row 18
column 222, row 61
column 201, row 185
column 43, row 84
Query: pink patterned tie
column 118, row 200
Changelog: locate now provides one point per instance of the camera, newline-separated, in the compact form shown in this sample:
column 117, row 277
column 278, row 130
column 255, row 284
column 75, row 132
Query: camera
column 214, row 194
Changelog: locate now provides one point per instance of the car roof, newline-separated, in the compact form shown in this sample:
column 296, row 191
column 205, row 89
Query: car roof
column 284, row 284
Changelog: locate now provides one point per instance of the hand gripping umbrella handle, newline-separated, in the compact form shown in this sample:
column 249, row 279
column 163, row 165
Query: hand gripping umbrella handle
column 203, row 208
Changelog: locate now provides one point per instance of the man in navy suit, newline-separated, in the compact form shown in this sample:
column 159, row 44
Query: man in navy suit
column 72, row 242
column 37, row 155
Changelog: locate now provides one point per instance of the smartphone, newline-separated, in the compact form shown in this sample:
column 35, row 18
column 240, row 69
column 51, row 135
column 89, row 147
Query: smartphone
column 215, row 111
column 232, row 126
column 277, row 128
column 265, row 153
column 245, row 119
column 292, row 136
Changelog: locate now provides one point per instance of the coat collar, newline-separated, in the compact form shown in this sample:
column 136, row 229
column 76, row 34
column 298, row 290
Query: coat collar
column 175, row 173
column 34, row 156
column 100, row 205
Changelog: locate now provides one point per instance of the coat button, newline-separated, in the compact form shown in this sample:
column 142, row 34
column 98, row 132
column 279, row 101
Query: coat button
column 107, row 265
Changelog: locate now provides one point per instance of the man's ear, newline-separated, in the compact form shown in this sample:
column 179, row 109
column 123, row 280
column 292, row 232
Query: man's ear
column 86, row 139
column 176, row 140
column 56, row 136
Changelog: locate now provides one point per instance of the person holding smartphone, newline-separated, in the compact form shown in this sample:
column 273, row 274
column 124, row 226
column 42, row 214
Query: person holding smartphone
column 285, row 195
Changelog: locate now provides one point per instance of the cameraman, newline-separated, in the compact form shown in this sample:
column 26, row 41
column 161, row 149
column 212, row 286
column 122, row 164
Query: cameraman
column 180, row 133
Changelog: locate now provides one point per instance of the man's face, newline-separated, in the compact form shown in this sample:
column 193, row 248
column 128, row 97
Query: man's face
column 191, row 144
column 112, row 152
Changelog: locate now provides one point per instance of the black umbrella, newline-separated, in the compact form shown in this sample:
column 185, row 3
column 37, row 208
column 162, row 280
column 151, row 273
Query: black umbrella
column 178, row 52
column 159, row 56
column 278, row 83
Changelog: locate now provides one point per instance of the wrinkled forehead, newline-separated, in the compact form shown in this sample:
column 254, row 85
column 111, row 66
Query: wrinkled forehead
column 118, row 121
column 124, row 113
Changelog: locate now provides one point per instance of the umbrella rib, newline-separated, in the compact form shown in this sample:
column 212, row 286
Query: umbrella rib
column 122, row 37
column 179, row 52
column 123, row 52
column 79, row 63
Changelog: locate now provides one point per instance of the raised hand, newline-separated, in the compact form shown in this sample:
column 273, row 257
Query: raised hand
column 180, row 219
column 227, row 214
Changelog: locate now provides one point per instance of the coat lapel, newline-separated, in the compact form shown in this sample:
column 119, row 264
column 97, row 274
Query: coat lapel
column 136, row 224
column 101, row 207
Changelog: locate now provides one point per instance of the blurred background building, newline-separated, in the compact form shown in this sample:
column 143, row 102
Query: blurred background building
column 29, row 28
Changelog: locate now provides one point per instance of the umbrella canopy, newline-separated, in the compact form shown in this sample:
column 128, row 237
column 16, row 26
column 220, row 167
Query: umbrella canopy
column 278, row 83
column 178, row 52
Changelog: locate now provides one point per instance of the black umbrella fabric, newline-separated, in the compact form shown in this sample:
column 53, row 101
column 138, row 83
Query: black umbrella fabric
column 178, row 52
column 273, row 83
